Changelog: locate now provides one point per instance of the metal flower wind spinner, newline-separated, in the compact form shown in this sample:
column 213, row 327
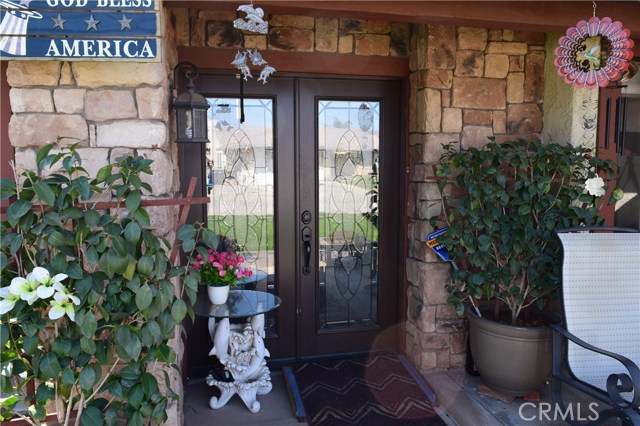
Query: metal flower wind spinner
column 594, row 53
column 255, row 24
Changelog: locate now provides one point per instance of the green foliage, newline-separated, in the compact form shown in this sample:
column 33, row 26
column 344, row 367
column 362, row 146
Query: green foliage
column 502, row 204
column 118, row 346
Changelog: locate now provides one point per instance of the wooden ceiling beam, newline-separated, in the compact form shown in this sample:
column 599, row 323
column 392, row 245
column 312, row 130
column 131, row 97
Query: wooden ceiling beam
column 542, row 16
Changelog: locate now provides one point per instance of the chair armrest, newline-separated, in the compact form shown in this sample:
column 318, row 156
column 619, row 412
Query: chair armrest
column 616, row 383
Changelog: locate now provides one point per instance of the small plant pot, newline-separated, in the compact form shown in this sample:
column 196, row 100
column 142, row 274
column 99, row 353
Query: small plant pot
column 218, row 295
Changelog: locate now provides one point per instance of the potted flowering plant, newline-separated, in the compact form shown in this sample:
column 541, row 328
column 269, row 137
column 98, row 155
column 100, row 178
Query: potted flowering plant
column 502, row 203
column 219, row 271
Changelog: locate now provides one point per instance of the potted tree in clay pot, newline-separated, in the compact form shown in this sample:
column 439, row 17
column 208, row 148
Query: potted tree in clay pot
column 502, row 203
column 88, row 300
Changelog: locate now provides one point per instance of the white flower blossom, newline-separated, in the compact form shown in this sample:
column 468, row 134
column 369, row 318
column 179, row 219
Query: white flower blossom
column 8, row 300
column 26, row 288
column 48, row 284
column 66, row 293
column 60, row 306
column 595, row 186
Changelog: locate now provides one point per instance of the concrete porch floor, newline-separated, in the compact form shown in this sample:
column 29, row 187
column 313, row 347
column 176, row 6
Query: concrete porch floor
column 458, row 403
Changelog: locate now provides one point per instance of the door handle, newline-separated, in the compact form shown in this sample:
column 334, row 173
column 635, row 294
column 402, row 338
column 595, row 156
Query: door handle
column 306, row 242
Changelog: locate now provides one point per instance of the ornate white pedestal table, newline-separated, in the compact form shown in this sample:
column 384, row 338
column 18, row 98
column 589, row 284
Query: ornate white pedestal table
column 239, row 347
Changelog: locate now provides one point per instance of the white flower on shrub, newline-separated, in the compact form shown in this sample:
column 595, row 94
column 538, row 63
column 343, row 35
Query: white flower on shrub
column 595, row 186
column 61, row 305
column 39, row 284
column 8, row 300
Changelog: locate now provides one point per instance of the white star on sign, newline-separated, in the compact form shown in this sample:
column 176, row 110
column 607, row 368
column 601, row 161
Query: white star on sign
column 58, row 22
column 125, row 23
column 92, row 23
column 25, row 2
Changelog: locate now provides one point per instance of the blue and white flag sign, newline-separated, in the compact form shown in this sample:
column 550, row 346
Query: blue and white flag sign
column 437, row 247
column 67, row 29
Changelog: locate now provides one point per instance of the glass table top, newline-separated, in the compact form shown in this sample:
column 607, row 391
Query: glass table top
column 240, row 304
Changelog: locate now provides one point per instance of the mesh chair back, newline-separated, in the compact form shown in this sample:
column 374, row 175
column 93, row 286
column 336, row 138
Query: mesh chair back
column 601, row 292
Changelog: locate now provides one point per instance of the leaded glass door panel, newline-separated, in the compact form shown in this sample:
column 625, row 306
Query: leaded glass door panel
column 349, row 292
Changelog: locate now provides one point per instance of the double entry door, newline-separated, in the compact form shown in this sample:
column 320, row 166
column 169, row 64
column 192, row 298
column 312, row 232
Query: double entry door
column 304, row 177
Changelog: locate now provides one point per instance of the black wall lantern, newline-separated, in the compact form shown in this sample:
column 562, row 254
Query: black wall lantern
column 191, row 109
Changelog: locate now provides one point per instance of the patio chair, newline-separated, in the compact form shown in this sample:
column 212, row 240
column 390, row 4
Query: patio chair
column 601, row 297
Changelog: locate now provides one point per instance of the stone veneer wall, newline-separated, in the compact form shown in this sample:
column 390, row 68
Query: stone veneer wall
column 110, row 109
column 215, row 29
column 467, row 84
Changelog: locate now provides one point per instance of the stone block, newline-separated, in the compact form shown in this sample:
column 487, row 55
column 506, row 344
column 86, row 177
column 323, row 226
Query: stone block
column 449, row 312
column 429, row 112
column 255, row 41
column 458, row 342
column 478, row 93
column 116, row 153
column 181, row 19
column 472, row 38
column 507, row 35
column 516, row 136
column 132, row 134
column 434, row 149
column 495, row 35
column 291, row 39
column 451, row 120
column 427, row 210
column 109, row 104
column 434, row 277
column 428, row 361
column 457, row 360
column 221, row 34
column 35, row 130
column 437, row 79
column 476, row 136
column 469, row 63
column 449, row 326
column 301, row 22
column 516, row 63
column 419, row 250
column 372, row 45
column 416, row 139
column 66, row 75
column 534, row 77
column 399, row 42
column 352, row 26
column 33, row 73
column 415, row 156
column 419, row 36
column 428, row 340
column 119, row 74
column 496, row 66
column 422, row 173
column 515, row 87
column 424, row 317
column 152, row 103
column 477, row 117
column 442, row 360
column 25, row 159
column 69, row 101
column 441, row 47
column 427, row 191
column 217, row 15
column 507, row 48
column 197, row 31
column 446, row 98
column 326, row 35
column 163, row 218
column 162, row 167
column 345, row 44
column 378, row 27
column 93, row 159
column 499, row 122
column 524, row 118
column 30, row 100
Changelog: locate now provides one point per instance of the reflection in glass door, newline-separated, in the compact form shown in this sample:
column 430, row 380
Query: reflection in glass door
column 240, row 184
column 348, row 147
column 628, row 139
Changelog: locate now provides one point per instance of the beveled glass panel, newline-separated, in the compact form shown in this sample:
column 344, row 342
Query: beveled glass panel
column 348, row 147
column 241, row 185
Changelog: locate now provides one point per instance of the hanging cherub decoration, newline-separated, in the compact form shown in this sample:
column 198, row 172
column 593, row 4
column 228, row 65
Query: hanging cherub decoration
column 256, row 24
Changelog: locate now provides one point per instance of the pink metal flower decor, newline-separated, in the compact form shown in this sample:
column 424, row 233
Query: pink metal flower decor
column 594, row 53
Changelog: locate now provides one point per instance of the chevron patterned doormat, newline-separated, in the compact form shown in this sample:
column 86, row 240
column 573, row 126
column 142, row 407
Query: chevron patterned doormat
column 381, row 390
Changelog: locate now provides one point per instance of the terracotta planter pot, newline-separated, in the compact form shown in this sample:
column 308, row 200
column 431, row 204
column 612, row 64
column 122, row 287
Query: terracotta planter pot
column 513, row 360
column 218, row 295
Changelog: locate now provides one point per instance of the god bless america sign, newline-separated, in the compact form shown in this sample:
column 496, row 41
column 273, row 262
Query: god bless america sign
column 80, row 30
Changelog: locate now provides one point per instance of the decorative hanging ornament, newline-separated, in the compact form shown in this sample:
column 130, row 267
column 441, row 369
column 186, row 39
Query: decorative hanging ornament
column 594, row 53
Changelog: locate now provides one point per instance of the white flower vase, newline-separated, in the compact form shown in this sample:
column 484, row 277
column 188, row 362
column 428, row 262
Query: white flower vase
column 218, row 295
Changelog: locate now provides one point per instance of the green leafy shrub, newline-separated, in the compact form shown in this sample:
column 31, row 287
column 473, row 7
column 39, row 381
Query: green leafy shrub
column 502, row 204
column 105, row 357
